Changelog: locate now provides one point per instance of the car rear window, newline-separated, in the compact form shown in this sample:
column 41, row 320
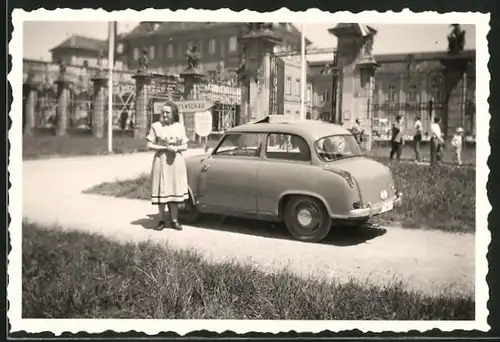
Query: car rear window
column 336, row 147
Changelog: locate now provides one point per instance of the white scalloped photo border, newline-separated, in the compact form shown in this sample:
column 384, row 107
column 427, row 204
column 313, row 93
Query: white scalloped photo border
column 182, row 327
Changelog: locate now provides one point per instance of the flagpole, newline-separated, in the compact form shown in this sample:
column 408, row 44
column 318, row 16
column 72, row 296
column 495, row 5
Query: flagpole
column 303, row 73
column 111, row 42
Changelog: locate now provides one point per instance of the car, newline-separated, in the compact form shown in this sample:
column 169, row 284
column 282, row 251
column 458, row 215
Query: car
column 309, row 174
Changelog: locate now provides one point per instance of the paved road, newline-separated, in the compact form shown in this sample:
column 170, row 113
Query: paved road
column 424, row 260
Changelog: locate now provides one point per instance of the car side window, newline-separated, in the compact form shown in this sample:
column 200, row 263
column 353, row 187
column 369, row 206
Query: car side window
column 240, row 145
column 287, row 147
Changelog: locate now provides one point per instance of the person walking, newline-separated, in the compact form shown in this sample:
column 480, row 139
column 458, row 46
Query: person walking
column 436, row 141
column 357, row 131
column 417, row 138
column 457, row 142
column 397, row 139
column 169, row 185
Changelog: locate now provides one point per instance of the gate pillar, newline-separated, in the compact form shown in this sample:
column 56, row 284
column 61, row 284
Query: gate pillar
column 31, row 88
column 99, row 102
column 357, row 67
column 142, row 81
column 63, row 101
column 255, row 70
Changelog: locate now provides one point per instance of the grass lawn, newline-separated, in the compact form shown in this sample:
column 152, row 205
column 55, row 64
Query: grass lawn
column 69, row 146
column 75, row 275
column 442, row 198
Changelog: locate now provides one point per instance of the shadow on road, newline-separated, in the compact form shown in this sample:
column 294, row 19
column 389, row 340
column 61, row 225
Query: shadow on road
column 339, row 236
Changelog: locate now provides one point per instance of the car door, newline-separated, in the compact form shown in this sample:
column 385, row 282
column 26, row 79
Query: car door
column 228, row 177
column 285, row 167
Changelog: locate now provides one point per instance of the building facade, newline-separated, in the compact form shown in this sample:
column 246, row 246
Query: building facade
column 410, row 85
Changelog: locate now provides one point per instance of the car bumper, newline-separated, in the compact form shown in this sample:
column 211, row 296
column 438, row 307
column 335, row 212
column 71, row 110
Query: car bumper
column 378, row 208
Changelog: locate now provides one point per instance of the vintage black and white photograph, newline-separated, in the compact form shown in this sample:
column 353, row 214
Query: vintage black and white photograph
column 311, row 171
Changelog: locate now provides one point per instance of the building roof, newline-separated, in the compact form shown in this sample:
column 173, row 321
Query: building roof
column 311, row 130
column 400, row 57
column 146, row 28
column 82, row 43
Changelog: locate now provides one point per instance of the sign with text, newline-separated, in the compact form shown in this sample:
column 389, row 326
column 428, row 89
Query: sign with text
column 193, row 106
column 203, row 123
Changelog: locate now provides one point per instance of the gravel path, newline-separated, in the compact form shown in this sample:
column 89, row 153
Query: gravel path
column 425, row 260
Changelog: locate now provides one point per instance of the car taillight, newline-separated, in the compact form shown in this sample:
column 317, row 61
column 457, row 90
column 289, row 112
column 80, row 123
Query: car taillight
column 344, row 174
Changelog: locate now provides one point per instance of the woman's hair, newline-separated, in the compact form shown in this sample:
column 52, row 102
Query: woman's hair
column 437, row 119
column 175, row 110
column 417, row 118
column 399, row 117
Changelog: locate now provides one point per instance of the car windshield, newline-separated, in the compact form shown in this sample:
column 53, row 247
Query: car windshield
column 336, row 147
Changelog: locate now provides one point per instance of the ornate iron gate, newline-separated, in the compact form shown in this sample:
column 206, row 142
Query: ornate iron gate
column 277, row 86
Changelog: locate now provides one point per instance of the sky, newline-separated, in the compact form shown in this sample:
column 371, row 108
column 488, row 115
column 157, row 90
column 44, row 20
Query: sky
column 41, row 36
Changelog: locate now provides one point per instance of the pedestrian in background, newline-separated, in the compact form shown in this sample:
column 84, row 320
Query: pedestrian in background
column 357, row 131
column 437, row 141
column 397, row 140
column 417, row 138
column 456, row 142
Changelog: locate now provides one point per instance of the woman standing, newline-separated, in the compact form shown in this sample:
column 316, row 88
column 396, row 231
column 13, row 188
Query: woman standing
column 169, row 184
column 397, row 138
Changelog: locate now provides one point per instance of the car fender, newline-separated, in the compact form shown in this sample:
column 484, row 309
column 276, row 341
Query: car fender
column 302, row 193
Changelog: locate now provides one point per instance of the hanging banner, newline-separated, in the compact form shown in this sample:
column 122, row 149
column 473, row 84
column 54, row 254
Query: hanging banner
column 203, row 123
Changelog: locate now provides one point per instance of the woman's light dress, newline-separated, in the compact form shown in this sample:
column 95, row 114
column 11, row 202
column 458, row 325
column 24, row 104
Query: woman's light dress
column 168, row 175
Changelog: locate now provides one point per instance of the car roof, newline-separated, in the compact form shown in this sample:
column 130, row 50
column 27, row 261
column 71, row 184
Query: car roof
column 308, row 129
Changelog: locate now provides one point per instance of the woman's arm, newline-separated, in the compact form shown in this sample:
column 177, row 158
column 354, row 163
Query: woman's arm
column 156, row 147
column 151, row 138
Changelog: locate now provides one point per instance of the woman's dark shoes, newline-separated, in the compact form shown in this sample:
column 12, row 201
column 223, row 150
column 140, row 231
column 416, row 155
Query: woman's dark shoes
column 176, row 225
column 161, row 225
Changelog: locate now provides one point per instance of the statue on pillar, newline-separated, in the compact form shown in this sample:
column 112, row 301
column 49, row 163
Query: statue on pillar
column 259, row 27
column 243, row 64
column 368, row 46
column 100, row 56
column 143, row 61
column 192, row 57
column 62, row 68
column 456, row 39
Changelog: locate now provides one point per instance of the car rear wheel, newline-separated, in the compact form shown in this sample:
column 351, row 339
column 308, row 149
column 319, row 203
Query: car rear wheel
column 307, row 219
column 188, row 213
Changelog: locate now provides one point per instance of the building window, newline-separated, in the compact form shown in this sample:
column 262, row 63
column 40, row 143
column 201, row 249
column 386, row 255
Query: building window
column 297, row 87
column 211, row 46
column 436, row 91
column 233, row 44
column 325, row 96
column 160, row 52
column 288, row 87
column 181, row 51
column 152, row 52
column 412, row 93
column 136, row 54
column 391, row 94
column 170, row 51
column 222, row 48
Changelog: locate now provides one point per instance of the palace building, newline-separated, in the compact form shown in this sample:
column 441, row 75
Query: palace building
column 412, row 85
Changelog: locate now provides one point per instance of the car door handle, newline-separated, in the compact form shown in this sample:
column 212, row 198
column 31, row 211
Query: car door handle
column 204, row 168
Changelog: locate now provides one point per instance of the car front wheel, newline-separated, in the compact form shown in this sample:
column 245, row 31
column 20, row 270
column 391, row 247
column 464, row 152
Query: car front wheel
column 188, row 213
column 306, row 219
